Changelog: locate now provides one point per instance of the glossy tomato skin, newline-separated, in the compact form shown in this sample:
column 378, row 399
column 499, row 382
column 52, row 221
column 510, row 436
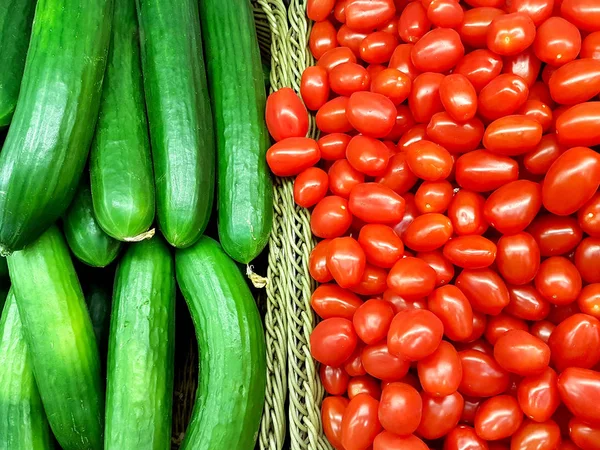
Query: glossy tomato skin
column 483, row 171
column 538, row 10
column 391, row 441
column 335, row 57
column 512, row 207
column 480, row 66
column 579, row 390
column 555, row 235
column 319, row 9
column 414, row 334
column 524, row 65
column 498, row 418
column 463, row 438
column 364, row 15
column 498, row 326
column 451, row 306
column 333, row 146
column 331, row 217
column 445, row 13
column 519, row 352
column 399, row 303
column 434, row 196
column 286, row 115
column 310, row 186
column 348, row 78
column 527, row 303
column 322, row 38
column 333, row 341
column 587, row 259
column 368, row 155
column 484, row 289
column 512, row 135
column 372, row 320
column 541, row 158
column 581, row 14
column 428, row 232
column 371, row 114
column 397, row 175
column 558, row 280
column 538, row 395
column 482, row 376
column 542, row 329
column 441, row 372
column 411, row 278
column 518, row 258
column 402, row 61
column 475, row 25
column 410, row 212
column 429, row 161
column 292, row 155
column 575, row 342
column 510, row 34
column 557, row 41
column 392, row 83
column 377, row 47
column 360, row 424
column 331, row 117
column 382, row 246
column 538, row 111
column 579, row 125
column 589, row 216
column 381, row 364
column 314, row 87
column 456, row 137
column 443, row 268
column 413, row 22
column 424, row 99
column 376, row 203
column 466, row 213
column 342, row 177
column 346, row 261
column 579, row 169
column 533, row 435
column 585, row 436
column 502, row 96
column 334, row 380
column 404, row 120
column 332, row 411
column 400, row 408
column 590, row 47
column 589, row 300
column 458, row 97
column 575, row 82
column 330, row 300
column 364, row 384
column 347, row 37
column 438, row 50
column 470, row 252
column 440, row 414
column 317, row 262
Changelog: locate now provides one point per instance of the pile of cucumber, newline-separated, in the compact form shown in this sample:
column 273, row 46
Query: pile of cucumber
column 120, row 122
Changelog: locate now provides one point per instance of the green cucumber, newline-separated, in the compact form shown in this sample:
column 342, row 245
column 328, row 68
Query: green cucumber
column 139, row 391
column 236, row 80
column 15, row 28
column 98, row 302
column 23, row 423
column 60, row 339
column 179, row 116
column 231, row 381
column 120, row 164
column 3, row 269
column 49, row 137
column 88, row 242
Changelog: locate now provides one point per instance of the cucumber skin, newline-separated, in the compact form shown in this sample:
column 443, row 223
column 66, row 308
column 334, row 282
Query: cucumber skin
column 88, row 242
column 23, row 423
column 121, row 175
column 237, row 85
column 47, row 143
column 232, row 378
column 141, row 350
column 179, row 115
column 61, row 342
column 16, row 17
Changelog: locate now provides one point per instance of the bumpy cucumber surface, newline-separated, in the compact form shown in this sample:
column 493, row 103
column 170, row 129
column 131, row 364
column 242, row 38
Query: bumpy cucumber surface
column 60, row 340
column 120, row 165
column 88, row 242
column 231, row 383
column 179, row 116
column 15, row 28
column 236, row 80
column 51, row 130
column 139, row 389
column 23, row 423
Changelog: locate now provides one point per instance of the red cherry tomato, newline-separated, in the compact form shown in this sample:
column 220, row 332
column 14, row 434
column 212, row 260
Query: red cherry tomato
column 479, row 325
column 310, row 186
column 402, row 61
column 539, row 91
column 579, row 125
column 332, row 411
column 333, row 146
column 322, row 38
column 424, row 99
column 527, row 303
column 317, row 262
column 343, row 177
column 348, row 78
column 476, row 23
column 391, row 441
column 319, row 9
column 482, row 376
column 539, row 160
column 410, row 212
column 463, row 438
column 335, row 57
column 399, row 303
column 330, row 300
column 502, row 96
column 438, row 50
column 585, row 436
column 429, row 161
column 519, row 352
column 365, row 15
column 393, row 84
column 411, row 278
column 381, row 245
column 557, row 41
column 525, row 65
column 347, row 37
column 441, row 372
column 455, row 136
column 364, row 384
column 286, row 115
column 414, row 334
column 331, row 117
column 510, row 34
column 555, row 235
column 404, row 121
column 498, row 418
column 376, row 203
column 581, row 14
column 498, row 325
column 372, row 283
column 518, row 258
column 470, row 252
column 458, row 97
column 466, row 213
column 590, row 47
column 538, row 10
column 533, row 435
column 413, row 22
column 575, row 342
column 428, row 232
column 538, row 111
column 451, row 306
column 346, row 261
column 331, row 217
column 542, row 329
column 333, row 341
column 372, row 114
column 589, row 300
column 483, row 171
column 575, row 82
column 334, row 380
column 400, row 408
column 588, row 216
column 440, row 414
column 444, row 270
column 372, row 320
column 587, row 259
column 314, row 87
column 434, row 196
column 445, row 13
column 512, row 135
column 558, row 280
column 397, row 175
column 559, row 313
column 377, row 47
column 512, row 207
column 360, row 424
column 292, row 155
column 579, row 390
column 484, row 289
column 480, row 66
column 538, row 395
column 367, row 155
column 381, row 364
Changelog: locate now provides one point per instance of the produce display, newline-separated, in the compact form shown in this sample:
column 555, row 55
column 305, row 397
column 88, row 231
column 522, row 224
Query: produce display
column 454, row 200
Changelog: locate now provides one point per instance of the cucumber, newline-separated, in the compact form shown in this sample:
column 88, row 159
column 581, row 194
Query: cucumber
column 15, row 28
column 48, row 140
column 236, row 81
column 139, row 390
column 3, row 270
column 23, row 423
column 231, row 381
column 122, row 182
column 60, row 339
column 88, row 242
column 179, row 116
column 98, row 302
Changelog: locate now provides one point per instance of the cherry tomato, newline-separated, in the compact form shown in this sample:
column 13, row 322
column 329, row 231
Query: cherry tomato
column 498, row 325
column 365, row 15
column 502, row 96
column 310, row 186
column 404, row 121
column 330, row 300
column 376, row 203
column 585, row 436
column 539, row 91
column 464, row 438
column 575, row 342
column 398, row 175
column 539, row 436
column 510, row 34
column 579, row 125
column 400, row 408
column 343, row 177
column 317, row 262
column 451, row 306
column 349, row 77
column 381, row 364
column 559, row 313
column 410, row 212
column 346, row 261
column 539, row 160
column 414, row 334
column 377, row 47
column 399, row 303
column 413, row 22
column 589, row 300
column 480, row 66
column 555, row 235
column 512, row 135
column 538, row 10
column 411, row 278
column 424, row 99
column 335, row 57
column 581, row 14
column 475, row 25
column 483, row 171
column 458, row 97
column 479, row 325
column 319, row 9
column 538, row 395
column 579, row 390
column 590, row 47
column 443, row 268
column 527, row 303
column 484, row 289
column 373, row 282
column 331, row 117
column 360, row 424
column 440, row 373
column 333, row 341
column 428, row 232
column 440, row 414
column 498, row 418
column 512, row 207
column 364, row 384
column 518, row 258
column 558, row 280
column 482, row 376
column 455, row 136
column 538, row 111
column 542, row 329
column 334, row 379
column 434, row 196
column 372, row 320
column 469, row 409
column 402, row 61
column 322, row 38
column 575, row 82
column 286, row 115
column 438, row 50
column 588, row 216
column 293, row 155
column 391, row 441
column 332, row 411
column 587, row 259
column 470, row 252
column 392, row 83
column 429, row 161
column 347, row 37
column 372, row 114
column 381, row 245
column 331, row 217
column 557, row 41
column 445, row 13
column 519, row 352
column 466, row 213
column 333, row 146
column 314, row 87
column 579, row 168
column 367, row 155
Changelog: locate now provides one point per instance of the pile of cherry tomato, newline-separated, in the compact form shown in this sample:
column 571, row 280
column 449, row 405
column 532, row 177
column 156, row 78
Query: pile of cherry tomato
column 454, row 194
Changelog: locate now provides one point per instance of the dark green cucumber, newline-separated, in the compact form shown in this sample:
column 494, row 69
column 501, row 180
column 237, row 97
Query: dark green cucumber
column 120, row 165
column 179, row 116
column 139, row 389
column 15, row 28
column 51, row 130
column 231, row 383
column 88, row 242
column 60, row 339
column 236, row 80
column 98, row 302
column 23, row 423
